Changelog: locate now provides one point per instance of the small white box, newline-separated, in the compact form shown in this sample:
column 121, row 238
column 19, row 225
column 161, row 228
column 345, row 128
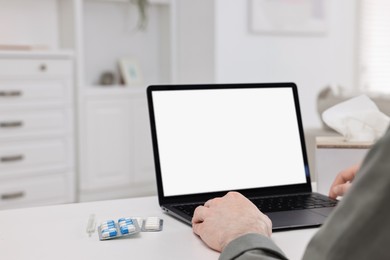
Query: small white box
column 334, row 154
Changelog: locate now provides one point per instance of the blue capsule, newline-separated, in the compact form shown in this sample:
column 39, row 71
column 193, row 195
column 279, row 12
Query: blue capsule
column 126, row 229
column 127, row 221
column 108, row 222
column 107, row 225
column 111, row 232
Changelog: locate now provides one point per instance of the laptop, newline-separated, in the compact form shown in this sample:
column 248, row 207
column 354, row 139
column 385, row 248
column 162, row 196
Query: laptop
column 211, row 139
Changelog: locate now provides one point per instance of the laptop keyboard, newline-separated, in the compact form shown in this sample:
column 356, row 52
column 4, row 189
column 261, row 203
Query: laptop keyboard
column 188, row 208
column 293, row 202
column 280, row 203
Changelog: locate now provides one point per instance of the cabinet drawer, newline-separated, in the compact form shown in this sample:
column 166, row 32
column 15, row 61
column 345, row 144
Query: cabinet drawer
column 38, row 153
column 38, row 190
column 21, row 90
column 33, row 122
column 10, row 68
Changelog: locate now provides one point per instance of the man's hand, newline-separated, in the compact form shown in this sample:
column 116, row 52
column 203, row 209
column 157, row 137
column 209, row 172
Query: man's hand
column 343, row 181
column 221, row 220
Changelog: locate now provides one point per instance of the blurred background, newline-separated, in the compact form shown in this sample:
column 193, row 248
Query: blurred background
column 73, row 73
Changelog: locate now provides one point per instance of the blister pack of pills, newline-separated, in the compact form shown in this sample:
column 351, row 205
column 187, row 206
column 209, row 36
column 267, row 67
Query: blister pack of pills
column 128, row 226
column 123, row 227
column 152, row 224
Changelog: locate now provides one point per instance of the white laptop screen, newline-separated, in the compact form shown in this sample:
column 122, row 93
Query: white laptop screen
column 227, row 139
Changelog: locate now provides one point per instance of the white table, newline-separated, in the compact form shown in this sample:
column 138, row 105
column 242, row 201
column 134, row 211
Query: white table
column 59, row 232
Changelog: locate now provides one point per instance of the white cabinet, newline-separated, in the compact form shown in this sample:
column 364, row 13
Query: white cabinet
column 48, row 131
column 36, row 130
column 118, row 155
column 108, row 144
column 143, row 149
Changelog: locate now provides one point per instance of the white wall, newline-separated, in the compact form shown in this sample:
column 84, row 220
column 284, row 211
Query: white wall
column 29, row 23
column 214, row 44
column 195, row 36
column 311, row 61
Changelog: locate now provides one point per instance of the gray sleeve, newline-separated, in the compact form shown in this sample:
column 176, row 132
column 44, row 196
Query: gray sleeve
column 251, row 247
column 359, row 228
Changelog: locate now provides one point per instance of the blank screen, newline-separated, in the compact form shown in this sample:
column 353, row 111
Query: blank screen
column 227, row 139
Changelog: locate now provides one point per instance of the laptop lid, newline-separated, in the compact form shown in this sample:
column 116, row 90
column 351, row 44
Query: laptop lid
column 211, row 139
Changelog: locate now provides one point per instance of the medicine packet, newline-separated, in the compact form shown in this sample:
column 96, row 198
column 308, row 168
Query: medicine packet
column 152, row 224
column 122, row 228
column 128, row 226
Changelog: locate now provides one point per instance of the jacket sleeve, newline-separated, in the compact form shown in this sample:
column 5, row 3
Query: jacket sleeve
column 359, row 228
column 251, row 247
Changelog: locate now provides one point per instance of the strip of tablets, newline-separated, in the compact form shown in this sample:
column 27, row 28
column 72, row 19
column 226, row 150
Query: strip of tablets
column 128, row 226
column 152, row 224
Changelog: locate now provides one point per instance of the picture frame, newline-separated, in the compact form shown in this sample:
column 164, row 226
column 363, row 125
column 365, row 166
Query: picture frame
column 130, row 72
column 288, row 17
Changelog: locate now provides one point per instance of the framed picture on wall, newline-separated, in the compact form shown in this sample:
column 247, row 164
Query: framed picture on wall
column 130, row 72
column 305, row 17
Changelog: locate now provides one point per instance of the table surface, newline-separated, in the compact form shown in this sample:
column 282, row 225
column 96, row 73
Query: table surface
column 59, row 232
column 340, row 142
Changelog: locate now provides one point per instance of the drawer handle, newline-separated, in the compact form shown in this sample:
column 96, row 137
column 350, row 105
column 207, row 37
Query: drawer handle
column 14, row 195
column 12, row 158
column 11, row 124
column 43, row 67
column 11, row 93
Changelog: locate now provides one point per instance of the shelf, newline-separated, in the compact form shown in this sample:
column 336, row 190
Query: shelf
column 118, row 33
column 37, row 54
column 339, row 142
column 117, row 90
column 165, row 2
